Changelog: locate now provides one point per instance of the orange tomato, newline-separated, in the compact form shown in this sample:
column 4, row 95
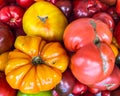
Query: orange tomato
column 3, row 60
column 35, row 65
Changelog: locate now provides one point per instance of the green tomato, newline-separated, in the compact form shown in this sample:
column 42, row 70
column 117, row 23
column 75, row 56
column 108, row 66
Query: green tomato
column 42, row 93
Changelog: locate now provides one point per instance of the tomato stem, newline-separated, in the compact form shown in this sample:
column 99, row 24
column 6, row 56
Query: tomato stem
column 37, row 60
column 43, row 19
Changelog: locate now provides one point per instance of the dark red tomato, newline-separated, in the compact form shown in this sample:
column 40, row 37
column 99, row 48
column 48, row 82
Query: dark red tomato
column 92, row 63
column 65, row 6
column 6, row 38
column 86, row 8
column 111, row 82
column 88, row 94
column 85, row 30
column 79, row 88
column 106, row 18
column 64, row 88
column 5, row 88
column 112, row 11
column 12, row 15
column 25, row 3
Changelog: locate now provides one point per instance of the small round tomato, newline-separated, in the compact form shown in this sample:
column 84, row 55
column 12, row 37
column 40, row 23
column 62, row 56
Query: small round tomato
column 46, row 20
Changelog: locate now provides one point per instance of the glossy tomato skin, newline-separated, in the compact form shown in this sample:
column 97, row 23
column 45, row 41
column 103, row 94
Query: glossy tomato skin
column 110, row 83
column 12, row 15
column 112, row 11
column 79, row 88
column 106, row 18
column 92, row 63
column 25, row 3
column 65, row 6
column 49, row 24
column 85, row 30
column 86, row 8
column 65, row 87
column 6, row 38
column 5, row 88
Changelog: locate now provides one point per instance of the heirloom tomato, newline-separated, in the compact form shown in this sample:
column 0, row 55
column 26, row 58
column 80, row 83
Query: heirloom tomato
column 35, row 65
column 12, row 15
column 92, row 63
column 85, row 30
column 46, row 20
column 6, row 38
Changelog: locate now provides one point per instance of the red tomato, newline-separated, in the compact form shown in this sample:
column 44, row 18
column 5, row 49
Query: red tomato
column 85, row 30
column 86, row 8
column 12, row 15
column 5, row 89
column 25, row 3
column 106, row 18
column 79, row 88
column 92, row 63
column 111, row 82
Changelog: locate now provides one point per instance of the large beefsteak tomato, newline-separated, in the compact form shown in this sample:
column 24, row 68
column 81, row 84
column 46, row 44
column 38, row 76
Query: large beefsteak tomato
column 86, row 30
column 46, row 20
column 35, row 65
column 92, row 63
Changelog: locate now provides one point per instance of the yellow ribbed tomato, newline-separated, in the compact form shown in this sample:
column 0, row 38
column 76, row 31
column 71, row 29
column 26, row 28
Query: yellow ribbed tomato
column 46, row 20
column 35, row 65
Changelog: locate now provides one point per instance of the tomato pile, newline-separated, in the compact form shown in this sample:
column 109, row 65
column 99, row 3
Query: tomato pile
column 59, row 47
